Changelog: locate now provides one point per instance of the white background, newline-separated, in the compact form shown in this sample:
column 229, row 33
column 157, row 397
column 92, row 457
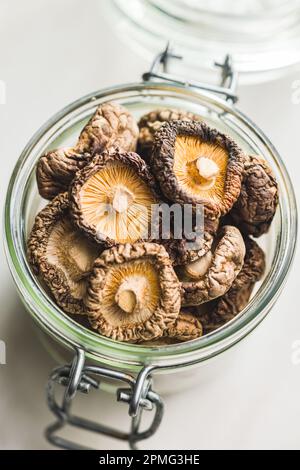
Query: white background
column 52, row 52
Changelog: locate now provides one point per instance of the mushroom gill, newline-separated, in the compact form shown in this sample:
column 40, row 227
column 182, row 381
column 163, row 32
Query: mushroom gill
column 131, row 293
column 61, row 255
column 134, row 294
column 113, row 198
column 197, row 164
column 200, row 168
column 70, row 251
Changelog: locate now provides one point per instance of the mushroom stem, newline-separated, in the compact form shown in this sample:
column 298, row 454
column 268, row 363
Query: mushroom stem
column 207, row 168
column 130, row 294
column 121, row 199
column 127, row 301
column 198, row 268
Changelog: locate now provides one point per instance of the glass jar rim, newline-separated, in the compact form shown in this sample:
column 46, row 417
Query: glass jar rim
column 125, row 355
column 261, row 50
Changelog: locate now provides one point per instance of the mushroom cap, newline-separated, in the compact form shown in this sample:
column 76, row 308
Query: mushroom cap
column 56, row 169
column 112, row 198
column 227, row 261
column 255, row 208
column 111, row 126
column 225, row 308
column 157, row 292
column 61, row 255
column 151, row 122
column 178, row 148
column 182, row 252
column 186, row 328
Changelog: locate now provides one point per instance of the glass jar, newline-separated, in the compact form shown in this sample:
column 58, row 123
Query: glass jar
column 262, row 36
column 117, row 362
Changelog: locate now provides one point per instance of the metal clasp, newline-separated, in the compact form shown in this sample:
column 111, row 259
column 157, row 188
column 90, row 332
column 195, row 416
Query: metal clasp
column 76, row 377
column 227, row 87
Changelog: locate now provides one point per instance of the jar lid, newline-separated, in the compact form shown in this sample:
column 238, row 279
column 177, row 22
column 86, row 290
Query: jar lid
column 262, row 36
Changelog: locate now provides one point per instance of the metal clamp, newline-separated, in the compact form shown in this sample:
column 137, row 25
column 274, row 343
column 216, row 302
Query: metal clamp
column 76, row 377
column 226, row 88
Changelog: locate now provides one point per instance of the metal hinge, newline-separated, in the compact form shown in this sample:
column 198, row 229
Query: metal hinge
column 227, row 87
column 78, row 377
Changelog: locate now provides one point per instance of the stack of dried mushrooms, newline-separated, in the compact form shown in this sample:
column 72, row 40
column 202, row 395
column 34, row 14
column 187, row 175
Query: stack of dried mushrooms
column 91, row 245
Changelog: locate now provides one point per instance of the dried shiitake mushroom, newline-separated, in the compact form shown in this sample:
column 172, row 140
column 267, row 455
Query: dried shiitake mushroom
column 61, row 255
column 112, row 198
column 256, row 206
column 152, row 121
column 181, row 254
column 112, row 126
column 198, row 165
column 133, row 293
column 183, row 251
column 196, row 269
column 224, row 309
column 211, row 277
column 56, row 169
column 186, row 328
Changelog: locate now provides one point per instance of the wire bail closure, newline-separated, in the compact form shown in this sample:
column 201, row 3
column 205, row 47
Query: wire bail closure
column 79, row 377
column 229, row 77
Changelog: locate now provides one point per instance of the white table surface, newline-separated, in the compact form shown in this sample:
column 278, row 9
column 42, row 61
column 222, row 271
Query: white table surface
column 51, row 53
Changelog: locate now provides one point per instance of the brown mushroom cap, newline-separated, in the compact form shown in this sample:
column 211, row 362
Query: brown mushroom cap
column 110, row 126
column 113, row 197
column 56, row 169
column 226, row 263
column 181, row 254
column 224, row 309
column 143, row 274
column 198, row 165
column 152, row 122
column 186, row 328
column 61, row 255
column 256, row 206
column 180, row 250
